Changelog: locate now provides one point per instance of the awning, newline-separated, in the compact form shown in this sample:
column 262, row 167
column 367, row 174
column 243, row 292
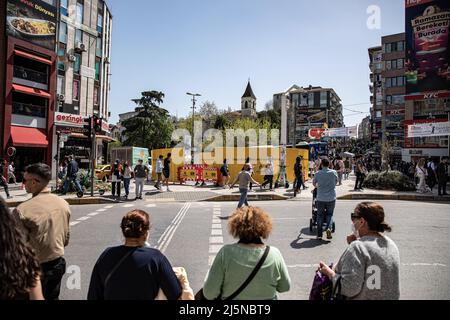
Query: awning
column 28, row 137
column 32, row 91
column 32, row 57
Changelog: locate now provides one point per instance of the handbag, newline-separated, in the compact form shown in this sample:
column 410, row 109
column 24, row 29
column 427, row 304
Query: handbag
column 199, row 295
column 322, row 287
column 336, row 295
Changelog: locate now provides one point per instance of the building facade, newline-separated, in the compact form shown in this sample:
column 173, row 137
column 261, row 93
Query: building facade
column 364, row 130
column 248, row 103
column 310, row 107
column 376, row 90
column 83, row 77
column 27, row 83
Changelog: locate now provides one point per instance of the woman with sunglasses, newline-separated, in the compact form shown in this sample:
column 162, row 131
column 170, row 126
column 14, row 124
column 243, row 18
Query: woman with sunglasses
column 369, row 268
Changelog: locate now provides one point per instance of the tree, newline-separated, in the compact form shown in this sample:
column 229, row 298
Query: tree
column 272, row 116
column 269, row 105
column 152, row 126
column 221, row 122
column 209, row 110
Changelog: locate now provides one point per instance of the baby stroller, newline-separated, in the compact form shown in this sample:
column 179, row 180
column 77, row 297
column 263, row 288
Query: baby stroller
column 313, row 220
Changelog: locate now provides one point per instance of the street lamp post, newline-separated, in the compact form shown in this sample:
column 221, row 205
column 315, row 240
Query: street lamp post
column 194, row 100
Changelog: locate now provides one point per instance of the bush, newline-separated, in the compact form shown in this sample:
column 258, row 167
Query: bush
column 390, row 180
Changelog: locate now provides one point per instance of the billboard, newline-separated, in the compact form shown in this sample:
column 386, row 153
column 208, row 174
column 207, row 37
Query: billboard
column 440, row 129
column 427, row 46
column 33, row 21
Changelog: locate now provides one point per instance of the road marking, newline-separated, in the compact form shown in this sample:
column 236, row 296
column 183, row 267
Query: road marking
column 152, row 205
column 275, row 219
column 304, row 265
column 217, row 226
column 128, row 205
column 83, row 218
column 211, row 260
column 93, row 214
column 168, row 234
column 215, row 248
column 216, row 240
column 217, row 221
column 74, row 223
column 424, row 265
column 216, row 232
column 101, row 210
column 109, row 207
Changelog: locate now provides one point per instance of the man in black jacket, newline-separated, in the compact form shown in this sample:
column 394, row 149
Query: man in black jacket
column 442, row 175
column 72, row 171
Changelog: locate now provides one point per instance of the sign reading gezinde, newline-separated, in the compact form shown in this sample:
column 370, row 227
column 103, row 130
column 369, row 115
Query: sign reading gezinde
column 427, row 46
column 33, row 21
column 440, row 129
column 67, row 119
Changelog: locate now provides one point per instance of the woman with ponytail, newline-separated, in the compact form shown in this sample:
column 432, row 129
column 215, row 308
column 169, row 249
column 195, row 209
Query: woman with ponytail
column 369, row 268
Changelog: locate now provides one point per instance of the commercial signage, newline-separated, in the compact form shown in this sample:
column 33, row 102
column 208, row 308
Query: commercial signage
column 317, row 133
column 427, row 46
column 395, row 112
column 429, row 95
column 440, row 129
column 33, row 21
column 68, row 119
column 87, row 72
column 342, row 132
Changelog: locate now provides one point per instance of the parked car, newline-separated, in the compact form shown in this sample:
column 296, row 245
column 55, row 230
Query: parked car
column 103, row 173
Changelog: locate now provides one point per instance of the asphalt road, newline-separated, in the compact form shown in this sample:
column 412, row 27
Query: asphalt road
column 191, row 233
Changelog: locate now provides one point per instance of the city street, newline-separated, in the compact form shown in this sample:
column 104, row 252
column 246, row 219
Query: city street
column 191, row 233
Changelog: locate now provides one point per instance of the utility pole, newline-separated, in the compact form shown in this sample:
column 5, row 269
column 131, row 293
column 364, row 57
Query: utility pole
column 194, row 100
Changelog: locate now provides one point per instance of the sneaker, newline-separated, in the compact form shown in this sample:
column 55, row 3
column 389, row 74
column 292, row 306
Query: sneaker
column 319, row 238
column 329, row 235
column 9, row 197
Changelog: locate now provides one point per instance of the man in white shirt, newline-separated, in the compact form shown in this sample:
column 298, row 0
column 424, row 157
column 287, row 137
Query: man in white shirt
column 159, row 170
column 11, row 174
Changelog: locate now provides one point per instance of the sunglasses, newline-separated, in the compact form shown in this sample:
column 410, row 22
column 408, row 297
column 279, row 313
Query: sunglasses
column 354, row 216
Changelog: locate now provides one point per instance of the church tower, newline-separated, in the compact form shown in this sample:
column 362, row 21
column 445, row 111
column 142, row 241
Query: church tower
column 248, row 103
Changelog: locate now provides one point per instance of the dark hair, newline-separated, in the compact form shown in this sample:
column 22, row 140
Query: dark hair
column 161, row 156
column 373, row 213
column 169, row 155
column 298, row 159
column 224, row 161
column 20, row 268
column 135, row 224
column 247, row 160
column 41, row 170
column 325, row 163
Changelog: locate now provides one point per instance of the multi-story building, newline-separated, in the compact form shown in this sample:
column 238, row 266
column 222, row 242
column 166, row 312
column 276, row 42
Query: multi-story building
column 27, row 82
column 310, row 107
column 376, row 90
column 83, row 75
column 394, row 89
column 364, row 132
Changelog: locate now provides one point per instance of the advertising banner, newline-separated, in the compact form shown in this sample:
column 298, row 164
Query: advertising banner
column 33, row 21
column 440, row 129
column 427, row 46
column 342, row 132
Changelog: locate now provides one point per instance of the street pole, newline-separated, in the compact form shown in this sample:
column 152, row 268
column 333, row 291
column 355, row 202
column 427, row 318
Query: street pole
column 193, row 95
column 93, row 156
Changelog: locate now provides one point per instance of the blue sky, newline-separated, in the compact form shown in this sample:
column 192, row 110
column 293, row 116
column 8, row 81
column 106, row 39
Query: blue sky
column 212, row 47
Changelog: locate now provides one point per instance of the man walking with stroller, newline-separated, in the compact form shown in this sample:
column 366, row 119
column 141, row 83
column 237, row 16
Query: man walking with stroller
column 325, row 181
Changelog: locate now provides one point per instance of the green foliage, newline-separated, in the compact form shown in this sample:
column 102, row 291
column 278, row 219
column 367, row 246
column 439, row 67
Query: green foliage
column 390, row 180
column 272, row 116
column 152, row 127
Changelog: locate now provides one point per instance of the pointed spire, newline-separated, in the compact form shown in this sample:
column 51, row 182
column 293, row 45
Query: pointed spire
column 249, row 92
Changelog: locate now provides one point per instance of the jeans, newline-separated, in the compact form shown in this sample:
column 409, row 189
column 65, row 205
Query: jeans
column 299, row 183
column 75, row 181
column 442, row 186
column 139, row 187
column 126, row 184
column 268, row 181
column 243, row 200
column 359, row 180
column 52, row 273
column 324, row 208
column 114, row 186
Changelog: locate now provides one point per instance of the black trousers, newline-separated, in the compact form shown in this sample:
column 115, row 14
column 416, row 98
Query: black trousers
column 299, row 183
column 113, row 191
column 359, row 180
column 5, row 186
column 442, row 186
column 52, row 273
column 268, row 180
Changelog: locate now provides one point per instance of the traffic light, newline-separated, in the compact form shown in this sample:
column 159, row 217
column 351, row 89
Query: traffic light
column 88, row 128
column 97, row 124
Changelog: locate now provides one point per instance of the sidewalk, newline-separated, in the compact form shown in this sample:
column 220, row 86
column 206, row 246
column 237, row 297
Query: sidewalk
column 191, row 193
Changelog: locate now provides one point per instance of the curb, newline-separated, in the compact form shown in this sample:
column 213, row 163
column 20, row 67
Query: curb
column 395, row 197
column 250, row 197
column 71, row 201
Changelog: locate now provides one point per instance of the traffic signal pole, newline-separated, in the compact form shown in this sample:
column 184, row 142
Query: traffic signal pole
column 93, row 158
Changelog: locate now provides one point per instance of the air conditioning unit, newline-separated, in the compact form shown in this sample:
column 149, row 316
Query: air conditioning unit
column 80, row 47
column 61, row 97
column 71, row 58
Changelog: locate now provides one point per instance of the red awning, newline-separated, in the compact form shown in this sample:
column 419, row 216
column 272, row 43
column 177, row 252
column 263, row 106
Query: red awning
column 28, row 137
column 32, row 91
column 32, row 56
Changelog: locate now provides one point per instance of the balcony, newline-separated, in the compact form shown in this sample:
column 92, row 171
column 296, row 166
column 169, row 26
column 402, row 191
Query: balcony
column 371, row 89
column 30, row 78
column 29, row 115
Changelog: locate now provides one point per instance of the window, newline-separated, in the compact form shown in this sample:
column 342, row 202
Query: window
column 76, row 90
column 400, row 81
column 401, row 46
column 388, row 65
column 80, row 13
column 26, row 105
column 63, row 32
column 61, row 85
column 96, row 96
column 400, row 63
column 378, row 114
column 100, row 23
column 97, row 70
column 388, row 48
column 311, row 100
column 64, row 8
column 304, row 100
column 398, row 99
column 61, row 57
column 388, row 100
column 78, row 36
column 77, row 63
column 99, row 50
column 323, row 99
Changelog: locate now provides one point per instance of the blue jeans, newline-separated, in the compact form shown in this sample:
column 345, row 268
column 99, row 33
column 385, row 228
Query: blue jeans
column 126, row 184
column 75, row 181
column 243, row 199
column 324, row 208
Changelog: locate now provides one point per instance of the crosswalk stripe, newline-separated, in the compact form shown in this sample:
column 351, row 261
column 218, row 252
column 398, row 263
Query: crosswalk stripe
column 128, row 205
column 83, row 218
column 93, row 214
column 74, row 223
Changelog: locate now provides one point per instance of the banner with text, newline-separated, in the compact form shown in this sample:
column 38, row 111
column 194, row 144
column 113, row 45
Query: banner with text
column 440, row 129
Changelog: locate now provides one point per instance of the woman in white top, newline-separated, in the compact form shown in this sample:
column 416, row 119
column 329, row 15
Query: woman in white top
column 421, row 173
column 127, row 178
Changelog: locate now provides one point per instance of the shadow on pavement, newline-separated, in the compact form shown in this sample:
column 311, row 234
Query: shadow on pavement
column 308, row 243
